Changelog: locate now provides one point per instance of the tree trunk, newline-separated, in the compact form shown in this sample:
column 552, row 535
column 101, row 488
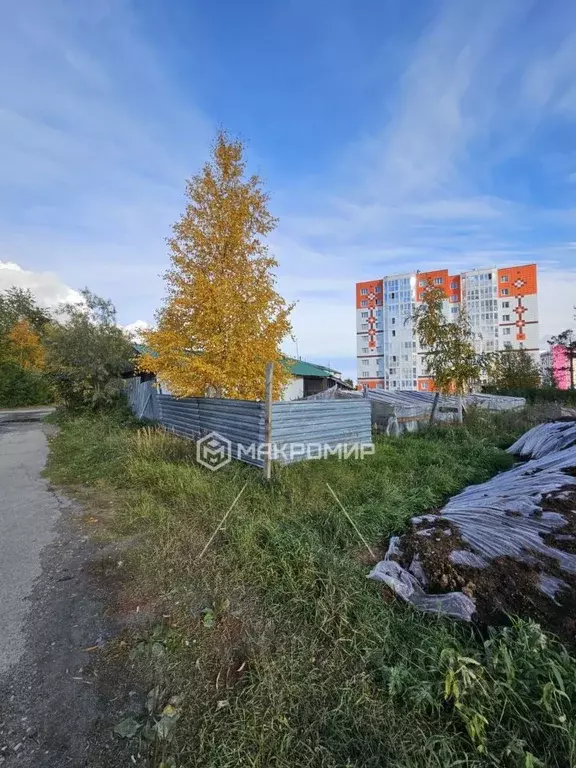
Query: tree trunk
column 434, row 407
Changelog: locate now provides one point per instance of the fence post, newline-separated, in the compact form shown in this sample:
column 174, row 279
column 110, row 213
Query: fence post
column 268, row 421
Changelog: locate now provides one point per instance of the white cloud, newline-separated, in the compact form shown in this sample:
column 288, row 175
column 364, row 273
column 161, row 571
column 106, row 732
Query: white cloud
column 549, row 80
column 48, row 289
column 96, row 141
column 134, row 330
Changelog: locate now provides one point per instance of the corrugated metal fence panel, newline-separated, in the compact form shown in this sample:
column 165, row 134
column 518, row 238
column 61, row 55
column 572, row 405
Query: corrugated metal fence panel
column 320, row 422
column 239, row 421
column 143, row 399
column 180, row 416
column 325, row 423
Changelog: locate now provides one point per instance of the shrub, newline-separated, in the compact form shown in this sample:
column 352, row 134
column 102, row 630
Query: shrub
column 538, row 394
column 20, row 387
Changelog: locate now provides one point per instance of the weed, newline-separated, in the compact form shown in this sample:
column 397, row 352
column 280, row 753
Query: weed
column 282, row 652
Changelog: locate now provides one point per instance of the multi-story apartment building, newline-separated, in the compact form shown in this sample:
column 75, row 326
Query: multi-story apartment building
column 502, row 306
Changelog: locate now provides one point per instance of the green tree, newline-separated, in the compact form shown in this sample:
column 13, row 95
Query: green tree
column 512, row 369
column 447, row 345
column 19, row 304
column 87, row 353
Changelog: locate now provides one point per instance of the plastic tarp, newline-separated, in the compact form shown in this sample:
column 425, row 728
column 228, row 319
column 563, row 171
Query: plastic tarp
column 407, row 586
column 545, row 439
column 397, row 411
column 504, row 517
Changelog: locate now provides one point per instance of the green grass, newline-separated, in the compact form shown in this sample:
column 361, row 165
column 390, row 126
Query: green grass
column 284, row 653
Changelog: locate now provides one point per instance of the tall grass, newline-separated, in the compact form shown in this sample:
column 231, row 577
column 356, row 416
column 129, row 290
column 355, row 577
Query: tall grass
column 285, row 654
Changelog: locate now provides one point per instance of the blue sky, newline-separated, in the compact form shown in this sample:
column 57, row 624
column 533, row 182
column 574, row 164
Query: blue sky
column 391, row 136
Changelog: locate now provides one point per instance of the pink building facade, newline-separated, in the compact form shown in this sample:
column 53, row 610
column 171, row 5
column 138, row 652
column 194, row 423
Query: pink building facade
column 561, row 367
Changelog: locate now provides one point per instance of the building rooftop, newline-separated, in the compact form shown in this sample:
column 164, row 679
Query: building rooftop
column 304, row 368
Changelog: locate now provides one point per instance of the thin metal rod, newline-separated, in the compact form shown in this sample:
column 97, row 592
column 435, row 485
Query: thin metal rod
column 351, row 522
column 221, row 523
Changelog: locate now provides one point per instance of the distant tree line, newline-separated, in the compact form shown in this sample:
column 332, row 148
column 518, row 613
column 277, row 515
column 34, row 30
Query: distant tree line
column 75, row 356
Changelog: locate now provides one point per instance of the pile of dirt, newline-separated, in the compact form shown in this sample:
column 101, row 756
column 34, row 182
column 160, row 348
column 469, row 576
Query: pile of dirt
column 506, row 547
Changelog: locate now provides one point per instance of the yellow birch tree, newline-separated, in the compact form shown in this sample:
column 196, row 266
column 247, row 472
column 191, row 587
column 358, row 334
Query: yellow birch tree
column 222, row 319
column 25, row 347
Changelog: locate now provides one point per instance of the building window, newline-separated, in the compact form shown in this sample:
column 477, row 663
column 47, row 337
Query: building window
column 424, row 385
column 438, row 280
column 506, row 332
column 363, row 314
column 505, row 318
column 365, row 374
column 392, row 295
column 454, row 285
column 454, row 310
column 363, row 303
column 505, row 291
column 422, row 283
column 393, row 358
column 365, row 362
column 393, row 333
column 364, row 327
column 505, row 305
column 454, row 298
column 378, row 302
column 378, row 289
column 364, row 291
column 393, row 321
column 394, row 384
column 504, row 279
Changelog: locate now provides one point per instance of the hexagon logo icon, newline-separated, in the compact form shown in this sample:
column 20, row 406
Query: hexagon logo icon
column 213, row 451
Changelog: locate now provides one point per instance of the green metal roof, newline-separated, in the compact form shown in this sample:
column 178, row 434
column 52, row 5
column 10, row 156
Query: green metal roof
column 295, row 367
column 142, row 349
column 303, row 368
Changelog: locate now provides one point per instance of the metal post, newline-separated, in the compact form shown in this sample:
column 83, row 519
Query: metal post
column 268, row 421
column 434, row 406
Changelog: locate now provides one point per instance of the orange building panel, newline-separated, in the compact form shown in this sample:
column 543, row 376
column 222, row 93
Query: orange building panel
column 426, row 384
column 455, row 288
column 517, row 281
column 374, row 290
column 424, row 279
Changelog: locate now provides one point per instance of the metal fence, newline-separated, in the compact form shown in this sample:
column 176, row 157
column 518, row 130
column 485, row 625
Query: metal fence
column 319, row 424
column 299, row 429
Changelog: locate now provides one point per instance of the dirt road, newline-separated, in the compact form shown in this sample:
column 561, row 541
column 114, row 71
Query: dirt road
column 52, row 608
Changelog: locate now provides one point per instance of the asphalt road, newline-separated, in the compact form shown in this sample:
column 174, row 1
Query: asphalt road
column 28, row 512
column 58, row 702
